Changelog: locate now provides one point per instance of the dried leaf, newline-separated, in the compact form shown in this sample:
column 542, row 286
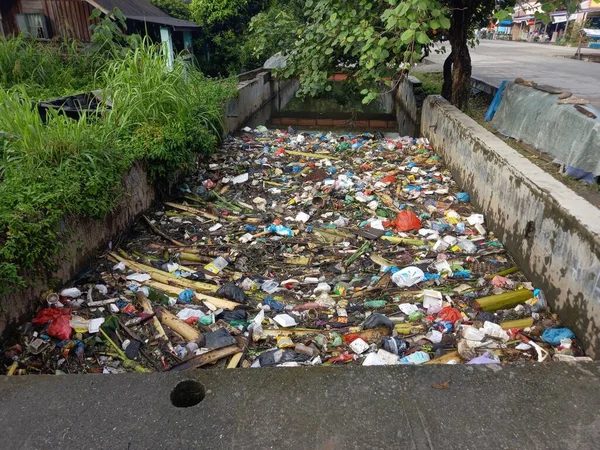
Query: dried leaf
column 442, row 385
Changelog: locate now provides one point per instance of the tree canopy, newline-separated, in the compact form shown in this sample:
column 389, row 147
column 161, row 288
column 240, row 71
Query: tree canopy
column 376, row 41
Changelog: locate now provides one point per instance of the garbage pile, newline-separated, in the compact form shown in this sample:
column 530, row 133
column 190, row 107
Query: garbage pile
column 290, row 249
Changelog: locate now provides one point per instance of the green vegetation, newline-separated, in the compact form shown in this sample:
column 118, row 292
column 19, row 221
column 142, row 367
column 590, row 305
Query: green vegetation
column 174, row 8
column 51, row 69
column 61, row 167
column 431, row 82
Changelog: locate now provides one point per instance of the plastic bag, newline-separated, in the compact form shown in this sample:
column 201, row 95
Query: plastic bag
column 237, row 315
column 233, row 292
column 405, row 221
column 554, row 335
column 186, row 296
column 407, row 277
column 61, row 327
column 395, row 345
column 218, row 339
column 450, row 314
column 48, row 314
column 377, row 320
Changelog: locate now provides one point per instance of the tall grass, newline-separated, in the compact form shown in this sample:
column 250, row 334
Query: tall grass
column 46, row 69
column 64, row 166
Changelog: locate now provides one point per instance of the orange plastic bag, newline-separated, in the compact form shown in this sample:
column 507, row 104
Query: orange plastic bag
column 406, row 221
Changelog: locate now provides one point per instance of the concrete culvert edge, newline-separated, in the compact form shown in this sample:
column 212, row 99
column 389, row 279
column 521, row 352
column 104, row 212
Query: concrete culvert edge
column 187, row 393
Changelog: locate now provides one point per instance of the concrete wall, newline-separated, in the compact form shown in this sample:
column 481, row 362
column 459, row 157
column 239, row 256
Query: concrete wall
column 409, row 100
column 83, row 237
column 252, row 95
column 552, row 233
column 534, row 117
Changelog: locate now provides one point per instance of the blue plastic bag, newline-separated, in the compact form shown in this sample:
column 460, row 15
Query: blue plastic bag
column 554, row 335
column 186, row 296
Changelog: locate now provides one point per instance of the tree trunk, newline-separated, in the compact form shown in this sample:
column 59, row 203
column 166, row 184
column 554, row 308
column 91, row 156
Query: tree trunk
column 461, row 73
column 447, row 86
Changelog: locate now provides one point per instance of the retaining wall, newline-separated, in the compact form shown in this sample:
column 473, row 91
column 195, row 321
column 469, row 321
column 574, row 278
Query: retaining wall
column 552, row 233
column 409, row 100
column 85, row 237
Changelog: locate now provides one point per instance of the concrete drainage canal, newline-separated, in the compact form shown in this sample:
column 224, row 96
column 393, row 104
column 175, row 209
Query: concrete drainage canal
column 298, row 247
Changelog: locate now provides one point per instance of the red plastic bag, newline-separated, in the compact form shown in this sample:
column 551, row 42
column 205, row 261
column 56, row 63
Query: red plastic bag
column 61, row 327
column 406, row 221
column 450, row 314
column 350, row 338
column 48, row 314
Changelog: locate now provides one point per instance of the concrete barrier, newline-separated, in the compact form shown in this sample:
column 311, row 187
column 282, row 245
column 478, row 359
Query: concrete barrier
column 552, row 233
column 253, row 94
column 84, row 237
column 409, row 100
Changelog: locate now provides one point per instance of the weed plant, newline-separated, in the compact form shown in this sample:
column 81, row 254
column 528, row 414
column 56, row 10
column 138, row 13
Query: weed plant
column 61, row 167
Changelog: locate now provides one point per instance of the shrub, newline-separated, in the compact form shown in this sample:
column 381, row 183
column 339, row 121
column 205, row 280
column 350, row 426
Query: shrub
column 74, row 167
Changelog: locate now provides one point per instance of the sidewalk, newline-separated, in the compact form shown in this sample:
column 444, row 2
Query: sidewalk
column 550, row 406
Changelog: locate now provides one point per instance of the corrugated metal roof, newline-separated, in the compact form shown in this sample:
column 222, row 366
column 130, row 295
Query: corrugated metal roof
column 143, row 11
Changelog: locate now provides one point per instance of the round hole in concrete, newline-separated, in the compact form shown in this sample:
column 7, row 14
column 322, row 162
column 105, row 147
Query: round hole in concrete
column 187, row 393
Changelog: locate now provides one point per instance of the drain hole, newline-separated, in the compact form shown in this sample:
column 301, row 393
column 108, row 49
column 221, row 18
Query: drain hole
column 187, row 393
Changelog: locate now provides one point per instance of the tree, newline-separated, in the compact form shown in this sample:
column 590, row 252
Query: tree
column 224, row 24
column 174, row 8
column 374, row 41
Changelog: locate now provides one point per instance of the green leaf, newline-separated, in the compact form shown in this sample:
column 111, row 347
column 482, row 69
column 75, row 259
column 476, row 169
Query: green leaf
column 422, row 38
column 445, row 22
column 434, row 24
column 333, row 17
column 407, row 36
column 329, row 51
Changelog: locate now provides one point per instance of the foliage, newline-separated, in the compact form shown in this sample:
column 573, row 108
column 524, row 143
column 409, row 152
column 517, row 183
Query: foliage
column 224, row 24
column 108, row 33
column 274, row 30
column 47, row 69
column 373, row 41
column 174, row 8
column 74, row 167
column 367, row 39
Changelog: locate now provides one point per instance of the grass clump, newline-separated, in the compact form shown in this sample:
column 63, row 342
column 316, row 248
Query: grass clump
column 50, row 170
column 432, row 82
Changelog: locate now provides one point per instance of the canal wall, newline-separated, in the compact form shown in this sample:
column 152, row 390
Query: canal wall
column 552, row 233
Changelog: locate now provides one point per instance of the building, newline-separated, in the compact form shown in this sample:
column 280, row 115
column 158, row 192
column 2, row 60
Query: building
column 70, row 19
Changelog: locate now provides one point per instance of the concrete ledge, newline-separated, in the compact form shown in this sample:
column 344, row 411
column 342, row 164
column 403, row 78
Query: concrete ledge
column 552, row 233
column 548, row 406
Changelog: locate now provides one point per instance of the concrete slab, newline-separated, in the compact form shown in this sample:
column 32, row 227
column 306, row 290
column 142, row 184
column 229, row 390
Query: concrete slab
column 549, row 406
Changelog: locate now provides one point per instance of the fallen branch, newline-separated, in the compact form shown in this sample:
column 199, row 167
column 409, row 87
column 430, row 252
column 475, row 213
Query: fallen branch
column 147, row 308
column 157, row 231
column 187, row 332
column 218, row 302
column 164, row 277
column 206, row 358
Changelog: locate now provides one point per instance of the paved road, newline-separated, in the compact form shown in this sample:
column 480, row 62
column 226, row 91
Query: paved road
column 494, row 61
